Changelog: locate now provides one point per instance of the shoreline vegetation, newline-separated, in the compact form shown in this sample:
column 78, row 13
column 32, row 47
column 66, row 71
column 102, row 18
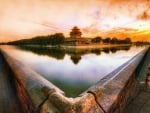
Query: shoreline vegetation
column 92, row 46
column 58, row 39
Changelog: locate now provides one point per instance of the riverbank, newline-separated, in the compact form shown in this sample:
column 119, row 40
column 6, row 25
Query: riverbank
column 91, row 46
column 95, row 46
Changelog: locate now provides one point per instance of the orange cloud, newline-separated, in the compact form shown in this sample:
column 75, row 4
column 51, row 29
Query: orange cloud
column 144, row 15
column 27, row 18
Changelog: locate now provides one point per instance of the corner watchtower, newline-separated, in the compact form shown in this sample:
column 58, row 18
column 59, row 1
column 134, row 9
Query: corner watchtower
column 75, row 32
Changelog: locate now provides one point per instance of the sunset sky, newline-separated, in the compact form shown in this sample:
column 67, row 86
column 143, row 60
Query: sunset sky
column 21, row 19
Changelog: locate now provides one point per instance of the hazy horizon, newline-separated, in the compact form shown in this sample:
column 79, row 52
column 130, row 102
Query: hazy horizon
column 20, row 19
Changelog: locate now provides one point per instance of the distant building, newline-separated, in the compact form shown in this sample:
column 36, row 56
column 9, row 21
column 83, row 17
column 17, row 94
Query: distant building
column 75, row 33
column 76, row 38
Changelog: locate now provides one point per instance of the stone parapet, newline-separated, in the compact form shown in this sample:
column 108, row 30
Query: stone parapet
column 29, row 85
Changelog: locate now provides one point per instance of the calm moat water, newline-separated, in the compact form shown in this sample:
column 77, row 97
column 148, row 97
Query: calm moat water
column 73, row 70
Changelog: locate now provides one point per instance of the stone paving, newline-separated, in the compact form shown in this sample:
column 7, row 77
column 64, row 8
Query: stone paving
column 141, row 103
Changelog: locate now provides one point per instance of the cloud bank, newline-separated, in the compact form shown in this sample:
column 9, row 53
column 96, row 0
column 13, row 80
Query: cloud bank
column 26, row 18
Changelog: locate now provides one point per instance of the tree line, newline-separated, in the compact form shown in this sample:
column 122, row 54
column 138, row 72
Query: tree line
column 114, row 40
column 59, row 38
column 54, row 39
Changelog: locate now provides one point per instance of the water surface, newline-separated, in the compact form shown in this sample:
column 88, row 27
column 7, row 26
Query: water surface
column 73, row 70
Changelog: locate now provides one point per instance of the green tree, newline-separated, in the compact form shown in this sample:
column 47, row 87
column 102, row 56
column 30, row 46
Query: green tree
column 127, row 40
column 114, row 40
column 54, row 39
column 57, row 39
column 97, row 39
column 107, row 40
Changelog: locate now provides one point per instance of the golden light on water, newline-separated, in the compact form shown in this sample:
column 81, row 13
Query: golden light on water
column 114, row 18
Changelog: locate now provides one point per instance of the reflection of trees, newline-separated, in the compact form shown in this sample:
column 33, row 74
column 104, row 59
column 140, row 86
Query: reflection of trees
column 113, row 50
column 126, row 48
column 96, row 51
column 106, row 50
column 52, row 52
column 75, row 53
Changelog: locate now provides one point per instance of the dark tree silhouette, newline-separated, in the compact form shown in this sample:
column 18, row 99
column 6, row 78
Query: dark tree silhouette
column 54, row 39
column 127, row 40
column 97, row 39
column 107, row 40
column 114, row 40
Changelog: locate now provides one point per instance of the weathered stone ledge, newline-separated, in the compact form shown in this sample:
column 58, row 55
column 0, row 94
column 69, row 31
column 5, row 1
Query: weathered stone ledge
column 118, row 86
column 29, row 82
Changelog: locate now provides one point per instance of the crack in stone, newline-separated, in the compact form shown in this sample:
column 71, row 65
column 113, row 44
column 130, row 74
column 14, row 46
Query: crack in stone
column 97, row 101
column 43, row 102
column 47, row 94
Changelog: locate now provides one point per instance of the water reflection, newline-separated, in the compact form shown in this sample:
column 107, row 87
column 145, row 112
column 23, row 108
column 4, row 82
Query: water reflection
column 74, row 53
column 73, row 70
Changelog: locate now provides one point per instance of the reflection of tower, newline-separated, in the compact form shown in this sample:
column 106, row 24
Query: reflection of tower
column 75, row 58
column 75, row 33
